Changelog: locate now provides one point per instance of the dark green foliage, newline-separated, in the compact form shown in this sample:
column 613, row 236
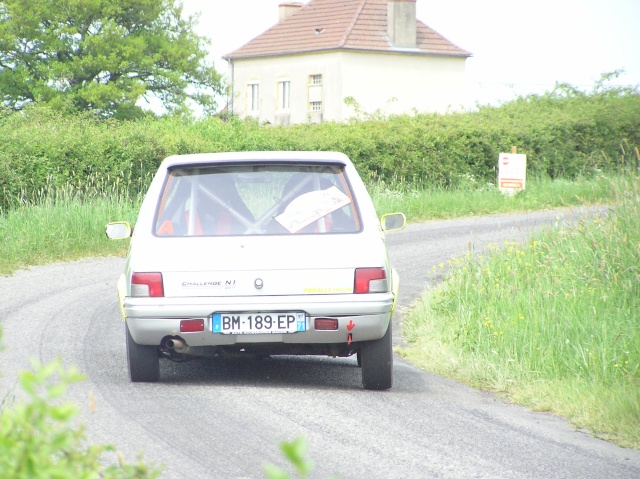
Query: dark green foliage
column 564, row 134
column 103, row 56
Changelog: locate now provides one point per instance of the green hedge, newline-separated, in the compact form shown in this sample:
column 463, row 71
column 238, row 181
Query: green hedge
column 561, row 135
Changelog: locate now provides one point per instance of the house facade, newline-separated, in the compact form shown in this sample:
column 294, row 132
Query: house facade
column 374, row 52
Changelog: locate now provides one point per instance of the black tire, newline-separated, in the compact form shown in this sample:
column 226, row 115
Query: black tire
column 143, row 361
column 376, row 359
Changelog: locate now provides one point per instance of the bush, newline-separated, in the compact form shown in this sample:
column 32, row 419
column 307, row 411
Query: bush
column 295, row 454
column 38, row 440
column 564, row 134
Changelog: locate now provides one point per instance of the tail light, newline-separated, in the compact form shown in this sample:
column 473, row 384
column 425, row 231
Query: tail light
column 147, row 285
column 371, row 280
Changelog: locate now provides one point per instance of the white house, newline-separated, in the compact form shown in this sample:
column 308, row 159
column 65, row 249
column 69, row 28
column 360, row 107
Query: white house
column 320, row 53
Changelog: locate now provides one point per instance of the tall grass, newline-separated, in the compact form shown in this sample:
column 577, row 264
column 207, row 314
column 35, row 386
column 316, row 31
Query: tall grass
column 474, row 197
column 61, row 225
column 67, row 223
column 554, row 322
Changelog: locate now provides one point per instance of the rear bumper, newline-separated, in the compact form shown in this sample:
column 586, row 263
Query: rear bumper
column 363, row 317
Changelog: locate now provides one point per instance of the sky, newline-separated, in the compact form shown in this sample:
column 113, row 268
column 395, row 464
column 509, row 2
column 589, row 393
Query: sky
column 518, row 46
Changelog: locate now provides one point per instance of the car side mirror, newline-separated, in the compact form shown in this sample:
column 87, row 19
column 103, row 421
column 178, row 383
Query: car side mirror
column 118, row 230
column 393, row 222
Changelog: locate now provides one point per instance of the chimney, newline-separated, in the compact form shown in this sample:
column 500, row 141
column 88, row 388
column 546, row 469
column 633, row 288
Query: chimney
column 288, row 9
column 401, row 23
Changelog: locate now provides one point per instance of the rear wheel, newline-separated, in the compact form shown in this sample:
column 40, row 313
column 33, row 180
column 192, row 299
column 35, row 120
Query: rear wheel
column 376, row 358
column 143, row 361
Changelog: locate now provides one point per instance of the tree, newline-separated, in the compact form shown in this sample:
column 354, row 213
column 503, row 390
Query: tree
column 103, row 55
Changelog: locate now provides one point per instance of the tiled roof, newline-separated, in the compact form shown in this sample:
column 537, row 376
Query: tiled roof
column 322, row 25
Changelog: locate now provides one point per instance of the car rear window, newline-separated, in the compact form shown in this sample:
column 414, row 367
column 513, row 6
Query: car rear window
column 256, row 199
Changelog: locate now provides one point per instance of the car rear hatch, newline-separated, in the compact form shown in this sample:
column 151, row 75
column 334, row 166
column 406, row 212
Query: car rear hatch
column 260, row 265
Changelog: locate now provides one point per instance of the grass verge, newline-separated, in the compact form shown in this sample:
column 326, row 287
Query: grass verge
column 553, row 324
column 63, row 225
column 475, row 199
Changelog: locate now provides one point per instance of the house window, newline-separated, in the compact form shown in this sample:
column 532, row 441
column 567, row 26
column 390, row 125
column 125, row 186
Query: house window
column 315, row 93
column 315, row 80
column 253, row 97
column 284, row 95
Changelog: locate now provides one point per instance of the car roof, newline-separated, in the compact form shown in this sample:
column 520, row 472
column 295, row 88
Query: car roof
column 253, row 156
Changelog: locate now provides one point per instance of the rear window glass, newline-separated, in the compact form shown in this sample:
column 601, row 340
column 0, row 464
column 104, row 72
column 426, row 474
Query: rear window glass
column 258, row 199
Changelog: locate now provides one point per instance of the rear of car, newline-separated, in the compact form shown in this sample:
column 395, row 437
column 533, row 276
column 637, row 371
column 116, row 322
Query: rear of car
column 264, row 253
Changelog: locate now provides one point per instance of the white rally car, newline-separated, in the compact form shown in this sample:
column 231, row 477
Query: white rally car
column 266, row 253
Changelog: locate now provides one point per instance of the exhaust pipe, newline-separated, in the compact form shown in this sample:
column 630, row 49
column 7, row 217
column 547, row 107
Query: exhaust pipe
column 177, row 344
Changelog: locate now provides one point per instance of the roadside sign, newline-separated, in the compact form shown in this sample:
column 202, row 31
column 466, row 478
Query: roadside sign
column 512, row 172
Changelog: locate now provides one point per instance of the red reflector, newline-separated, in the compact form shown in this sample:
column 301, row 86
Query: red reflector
column 326, row 324
column 152, row 280
column 365, row 275
column 191, row 325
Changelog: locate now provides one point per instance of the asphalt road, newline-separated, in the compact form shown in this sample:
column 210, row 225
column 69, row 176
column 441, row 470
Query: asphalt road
column 224, row 419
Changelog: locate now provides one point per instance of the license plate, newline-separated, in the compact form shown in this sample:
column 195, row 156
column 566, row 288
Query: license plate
column 259, row 323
